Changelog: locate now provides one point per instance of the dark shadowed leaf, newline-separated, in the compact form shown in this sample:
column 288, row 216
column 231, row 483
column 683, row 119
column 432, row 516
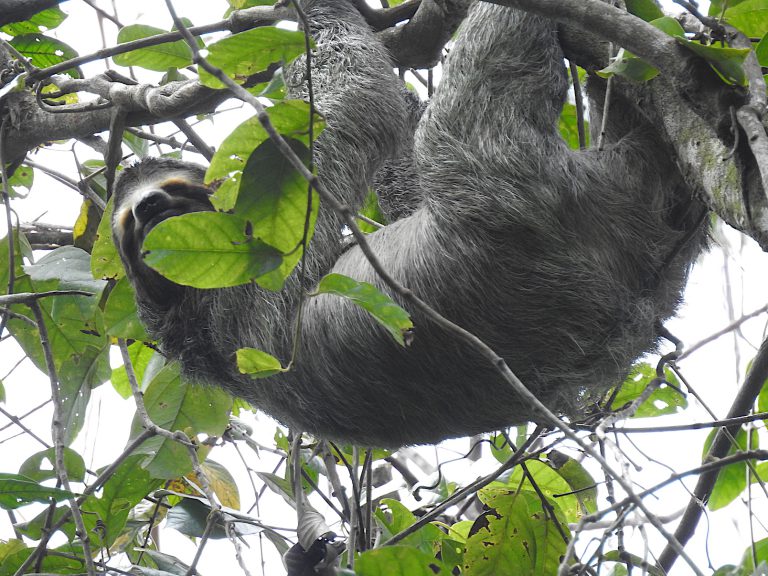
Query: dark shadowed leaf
column 38, row 23
column 727, row 62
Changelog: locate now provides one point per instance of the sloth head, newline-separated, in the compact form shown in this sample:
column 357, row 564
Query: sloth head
column 146, row 194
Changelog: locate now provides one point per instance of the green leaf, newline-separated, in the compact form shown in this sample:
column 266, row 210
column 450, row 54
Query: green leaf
column 125, row 489
column 732, row 479
column 41, row 22
column 393, row 516
column 244, row 54
column 664, row 400
column 21, row 181
column 40, row 466
column 762, row 51
column 716, row 7
column 105, row 261
column 17, row 490
column 372, row 210
column 120, row 317
column 257, row 364
column 579, row 479
column 274, row 200
column 630, row 66
column 158, row 58
column 398, row 561
column 274, row 196
column 669, row 26
column 727, row 62
column 568, row 125
column 749, row 16
column 367, row 296
column 645, row 9
column 760, row 551
column 57, row 561
column 141, row 356
column 138, row 145
column 174, row 404
column 221, row 482
column 514, row 536
column 208, row 250
column 44, row 51
column 290, row 118
column 556, row 488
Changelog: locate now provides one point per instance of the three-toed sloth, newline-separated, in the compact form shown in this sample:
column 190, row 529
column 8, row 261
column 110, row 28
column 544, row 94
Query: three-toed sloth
column 564, row 262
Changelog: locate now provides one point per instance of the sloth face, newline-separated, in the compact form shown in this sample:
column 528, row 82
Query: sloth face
column 146, row 194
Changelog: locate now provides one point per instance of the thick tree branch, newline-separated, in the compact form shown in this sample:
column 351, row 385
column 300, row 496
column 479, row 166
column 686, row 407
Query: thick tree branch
column 30, row 126
column 419, row 43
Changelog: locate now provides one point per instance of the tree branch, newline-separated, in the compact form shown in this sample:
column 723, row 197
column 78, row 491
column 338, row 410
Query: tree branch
column 743, row 403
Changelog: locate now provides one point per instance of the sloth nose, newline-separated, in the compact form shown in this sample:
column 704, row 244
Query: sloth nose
column 151, row 204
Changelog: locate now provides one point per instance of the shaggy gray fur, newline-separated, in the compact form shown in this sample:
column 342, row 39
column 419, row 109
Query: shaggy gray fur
column 564, row 262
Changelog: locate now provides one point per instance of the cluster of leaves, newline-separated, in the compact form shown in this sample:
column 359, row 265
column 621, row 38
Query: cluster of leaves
column 749, row 16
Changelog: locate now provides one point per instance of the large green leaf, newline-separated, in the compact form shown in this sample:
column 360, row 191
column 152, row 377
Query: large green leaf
column 290, row 118
column 105, row 261
column 145, row 362
column 732, row 479
column 515, row 536
column 367, row 296
column 40, row 466
column 242, row 55
column 17, row 490
column 159, row 58
column 44, row 51
column 273, row 196
column 174, row 404
column 762, row 52
column 394, row 517
column 398, row 561
column 630, row 66
column 120, row 318
column 208, row 250
column 749, row 16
